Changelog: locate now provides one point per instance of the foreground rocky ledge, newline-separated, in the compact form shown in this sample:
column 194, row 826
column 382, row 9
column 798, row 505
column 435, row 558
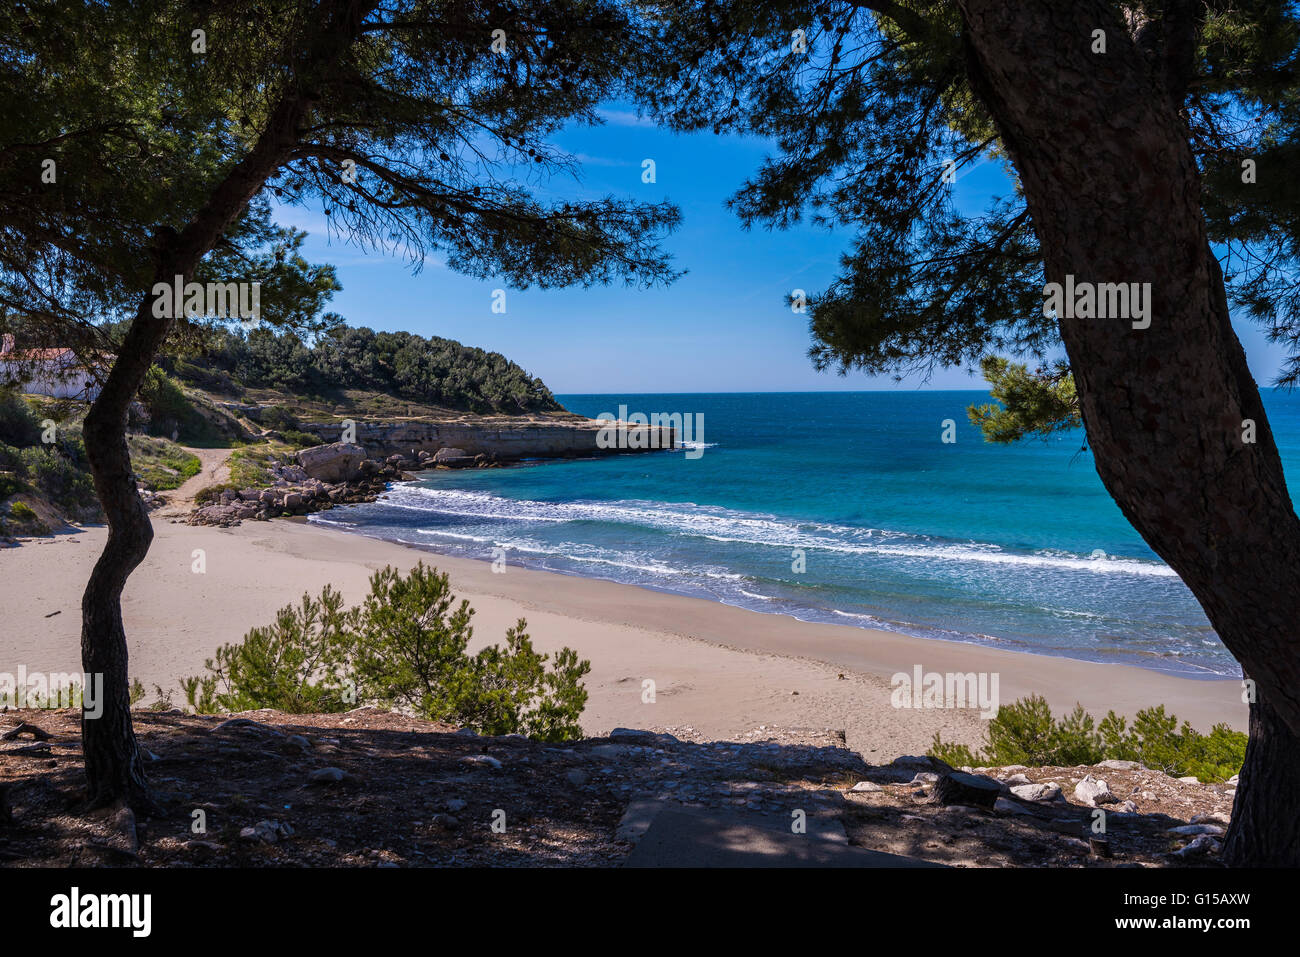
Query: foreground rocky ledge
column 374, row 788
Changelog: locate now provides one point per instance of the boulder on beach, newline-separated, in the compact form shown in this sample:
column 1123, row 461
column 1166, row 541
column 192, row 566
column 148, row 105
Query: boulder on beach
column 335, row 462
column 453, row 458
column 223, row 514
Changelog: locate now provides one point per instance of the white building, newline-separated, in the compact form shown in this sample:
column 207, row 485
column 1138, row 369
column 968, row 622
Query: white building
column 54, row 372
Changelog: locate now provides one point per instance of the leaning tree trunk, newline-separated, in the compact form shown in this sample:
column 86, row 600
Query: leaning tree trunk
column 1114, row 194
column 113, row 767
column 1268, row 793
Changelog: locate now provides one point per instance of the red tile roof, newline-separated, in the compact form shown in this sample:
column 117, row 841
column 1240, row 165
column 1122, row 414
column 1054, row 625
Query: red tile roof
column 28, row 355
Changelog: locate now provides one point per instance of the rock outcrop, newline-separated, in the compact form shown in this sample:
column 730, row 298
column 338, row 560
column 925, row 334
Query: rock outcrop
column 335, row 462
column 1093, row 791
column 338, row 472
column 453, row 458
column 295, row 492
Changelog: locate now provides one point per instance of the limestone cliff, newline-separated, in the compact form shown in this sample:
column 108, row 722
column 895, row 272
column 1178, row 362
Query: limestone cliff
column 508, row 438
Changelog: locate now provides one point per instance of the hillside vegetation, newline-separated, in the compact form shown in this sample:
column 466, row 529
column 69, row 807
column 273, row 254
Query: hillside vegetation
column 349, row 362
column 45, row 478
column 256, row 391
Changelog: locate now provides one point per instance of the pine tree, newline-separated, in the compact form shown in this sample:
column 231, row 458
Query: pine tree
column 1144, row 141
column 139, row 140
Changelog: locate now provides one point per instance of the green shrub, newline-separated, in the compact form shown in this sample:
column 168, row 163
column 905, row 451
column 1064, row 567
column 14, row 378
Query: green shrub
column 513, row 693
column 18, row 422
column 405, row 646
column 411, row 651
column 58, row 471
column 61, row 472
column 160, row 463
column 62, row 695
column 292, row 665
column 250, row 467
column 162, row 699
column 170, row 412
column 211, row 494
column 1026, row 733
column 67, row 413
column 1156, row 741
column 22, row 511
column 302, row 440
column 10, row 483
column 278, row 417
column 210, row 380
column 411, row 642
column 25, row 520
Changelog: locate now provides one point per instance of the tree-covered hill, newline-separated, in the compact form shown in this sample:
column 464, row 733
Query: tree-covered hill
column 433, row 371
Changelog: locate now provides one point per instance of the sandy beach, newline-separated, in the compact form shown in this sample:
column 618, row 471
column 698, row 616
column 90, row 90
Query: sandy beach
column 720, row 670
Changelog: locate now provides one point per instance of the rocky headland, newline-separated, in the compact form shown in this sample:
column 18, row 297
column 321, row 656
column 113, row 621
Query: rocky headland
column 502, row 438
column 347, row 472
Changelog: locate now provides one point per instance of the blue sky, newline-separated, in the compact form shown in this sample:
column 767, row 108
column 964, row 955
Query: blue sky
column 723, row 327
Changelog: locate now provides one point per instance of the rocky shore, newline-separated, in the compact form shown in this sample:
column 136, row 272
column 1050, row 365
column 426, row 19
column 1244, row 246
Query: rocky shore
column 343, row 473
column 324, row 476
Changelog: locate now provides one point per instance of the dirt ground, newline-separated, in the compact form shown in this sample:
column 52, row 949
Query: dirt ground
column 374, row 788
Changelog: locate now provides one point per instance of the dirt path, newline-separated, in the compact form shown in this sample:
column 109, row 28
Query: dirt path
column 214, row 469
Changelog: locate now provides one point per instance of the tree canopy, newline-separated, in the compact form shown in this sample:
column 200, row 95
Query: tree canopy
column 1141, row 141
column 432, row 370
column 1041, row 401
column 872, row 115
column 123, row 122
column 147, row 142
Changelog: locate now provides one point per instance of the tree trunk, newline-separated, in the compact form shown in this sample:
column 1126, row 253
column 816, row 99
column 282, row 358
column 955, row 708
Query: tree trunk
column 1264, row 823
column 113, row 768
column 1114, row 194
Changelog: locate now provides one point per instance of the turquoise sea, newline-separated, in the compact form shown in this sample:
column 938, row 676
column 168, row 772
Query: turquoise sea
column 1017, row 546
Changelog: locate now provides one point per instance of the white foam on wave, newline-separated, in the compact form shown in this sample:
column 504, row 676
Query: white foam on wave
column 676, row 517
column 478, row 539
column 319, row 520
column 965, row 553
column 854, row 614
column 727, row 526
column 570, row 551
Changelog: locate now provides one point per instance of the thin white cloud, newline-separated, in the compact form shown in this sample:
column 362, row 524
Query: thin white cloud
column 623, row 118
column 587, row 160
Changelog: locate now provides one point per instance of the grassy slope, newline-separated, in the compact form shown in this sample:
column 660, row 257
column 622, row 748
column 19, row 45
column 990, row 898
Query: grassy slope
column 210, row 419
column 31, row 505
column 161, row 464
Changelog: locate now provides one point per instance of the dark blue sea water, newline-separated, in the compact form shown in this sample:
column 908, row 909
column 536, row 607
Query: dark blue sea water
column 1017, row 546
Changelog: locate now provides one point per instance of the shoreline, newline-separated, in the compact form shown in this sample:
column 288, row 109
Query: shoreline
column 901, row 629
column 718, row 669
